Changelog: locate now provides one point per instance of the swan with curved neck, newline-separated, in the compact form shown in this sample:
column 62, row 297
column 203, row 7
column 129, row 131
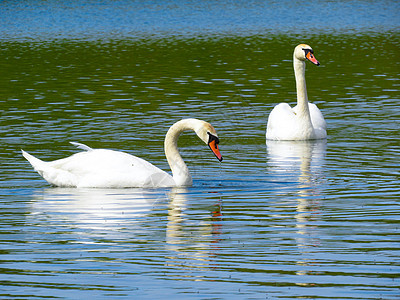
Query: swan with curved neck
column 305, row 120
column 102, row 168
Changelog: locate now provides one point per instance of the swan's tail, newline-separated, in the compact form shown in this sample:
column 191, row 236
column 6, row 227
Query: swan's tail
column 36, row 163
column 50, row 172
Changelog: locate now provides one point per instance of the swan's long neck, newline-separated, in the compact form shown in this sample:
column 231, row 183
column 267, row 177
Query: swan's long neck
column 180, row 171
column 302, row 99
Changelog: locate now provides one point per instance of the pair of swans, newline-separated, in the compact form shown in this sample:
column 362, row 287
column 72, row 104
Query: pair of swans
column 104, row 168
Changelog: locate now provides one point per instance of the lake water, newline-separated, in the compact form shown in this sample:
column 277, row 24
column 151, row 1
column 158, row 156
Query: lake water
column 310, row 220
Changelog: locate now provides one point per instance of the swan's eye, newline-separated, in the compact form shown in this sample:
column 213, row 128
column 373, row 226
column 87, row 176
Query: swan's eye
column 212, row 137
column 306, row 51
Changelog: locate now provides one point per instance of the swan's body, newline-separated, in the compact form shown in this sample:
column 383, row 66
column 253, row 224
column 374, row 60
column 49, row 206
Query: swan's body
column 305, row 120
column 115, row 169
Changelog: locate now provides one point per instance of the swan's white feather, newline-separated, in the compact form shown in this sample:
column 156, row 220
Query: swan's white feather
column 81, row 146
column 317, row 120
column 283, row 123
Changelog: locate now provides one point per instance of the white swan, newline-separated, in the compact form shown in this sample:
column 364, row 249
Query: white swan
column 103, row 168
column 305, row 120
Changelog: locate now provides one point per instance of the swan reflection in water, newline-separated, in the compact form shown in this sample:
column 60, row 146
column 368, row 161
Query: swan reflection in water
column 95, row 209
column 123, row 215
column 192, row 240
column 304, row 161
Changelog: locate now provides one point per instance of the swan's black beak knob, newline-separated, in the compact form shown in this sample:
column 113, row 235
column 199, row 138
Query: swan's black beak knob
column 310, row 56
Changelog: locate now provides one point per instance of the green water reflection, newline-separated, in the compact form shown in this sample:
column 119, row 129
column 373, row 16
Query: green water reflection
column 65, row 85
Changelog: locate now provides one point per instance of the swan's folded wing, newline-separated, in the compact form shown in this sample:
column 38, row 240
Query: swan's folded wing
column 280, row 121
column 108, row 168
column 317, row 118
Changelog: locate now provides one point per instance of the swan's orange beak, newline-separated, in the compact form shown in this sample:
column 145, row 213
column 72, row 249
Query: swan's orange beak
column 312, row 58
column 213, row 144
column 214, row 148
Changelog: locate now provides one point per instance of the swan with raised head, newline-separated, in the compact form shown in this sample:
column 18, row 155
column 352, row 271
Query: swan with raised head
column 305, row 120
column 102, row 168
